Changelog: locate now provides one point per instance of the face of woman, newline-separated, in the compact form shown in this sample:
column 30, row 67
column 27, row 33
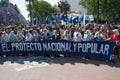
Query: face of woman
column 116, row 32
column 104, row 33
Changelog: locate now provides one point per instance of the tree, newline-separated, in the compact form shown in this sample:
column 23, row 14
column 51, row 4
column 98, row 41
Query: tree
column 64, row 6
column 42, row 9
column 108, row 9
column 30, row 10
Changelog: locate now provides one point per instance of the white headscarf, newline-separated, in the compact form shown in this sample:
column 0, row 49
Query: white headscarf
column 116, row 32
column 88, row 32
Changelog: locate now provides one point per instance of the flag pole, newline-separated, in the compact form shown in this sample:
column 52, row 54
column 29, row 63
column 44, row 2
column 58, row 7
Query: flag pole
column 84, row 19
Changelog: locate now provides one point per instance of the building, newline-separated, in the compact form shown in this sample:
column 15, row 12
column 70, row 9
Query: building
column 75, row 7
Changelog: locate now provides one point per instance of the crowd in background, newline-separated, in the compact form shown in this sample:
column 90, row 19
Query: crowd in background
column 88, row 32
column 77, row 33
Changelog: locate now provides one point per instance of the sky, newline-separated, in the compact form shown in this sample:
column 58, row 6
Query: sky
column 22, row 6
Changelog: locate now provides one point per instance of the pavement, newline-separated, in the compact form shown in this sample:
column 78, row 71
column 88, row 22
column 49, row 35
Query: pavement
column 68, row 68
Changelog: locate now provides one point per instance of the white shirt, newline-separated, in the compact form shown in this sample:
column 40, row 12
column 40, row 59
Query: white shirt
column 28, row 37
column 97, row 35
column 79, row 38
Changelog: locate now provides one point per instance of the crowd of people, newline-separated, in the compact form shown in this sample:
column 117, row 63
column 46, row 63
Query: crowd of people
column 77, row 33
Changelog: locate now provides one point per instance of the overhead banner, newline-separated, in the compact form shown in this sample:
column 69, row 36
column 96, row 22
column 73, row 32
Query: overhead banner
column 98, row 49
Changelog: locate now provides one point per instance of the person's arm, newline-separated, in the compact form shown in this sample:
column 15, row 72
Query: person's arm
column 118, row 43
column 108, row 39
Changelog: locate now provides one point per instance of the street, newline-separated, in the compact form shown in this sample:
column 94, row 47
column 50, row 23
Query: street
column 69, row 68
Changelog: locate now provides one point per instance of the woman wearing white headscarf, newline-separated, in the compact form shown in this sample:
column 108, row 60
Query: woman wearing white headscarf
column 28, row 36
column 115, row 37
column 66, row 35
column 77, row 36
column 88, row 35
column 4, row 37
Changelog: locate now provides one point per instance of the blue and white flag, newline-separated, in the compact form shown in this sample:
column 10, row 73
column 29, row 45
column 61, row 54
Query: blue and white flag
column 76, row 20
column 64, row 18
column 35, row 19
column 71, row 20
column 54, row 20
column 81, row 18
column 89, row 17
column 46, row 22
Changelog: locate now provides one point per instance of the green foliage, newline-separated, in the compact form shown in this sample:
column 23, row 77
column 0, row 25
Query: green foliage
column 109, row 9
column 64, row 6
column 42, row 9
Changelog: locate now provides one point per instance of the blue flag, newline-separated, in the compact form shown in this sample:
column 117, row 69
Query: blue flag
column 71, row 20
column 64, row 18
column 89, row 17
column 46, row 21
column 35, row 19
column 81, row 19
column 76, row 20
column 54, row 20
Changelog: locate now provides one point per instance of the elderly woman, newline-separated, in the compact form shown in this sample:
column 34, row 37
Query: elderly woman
column 4, row 37
column 115, row 37
column 97, row 36
column 66, row 35
column 56, row 36
column 77, row 36
column 88, row 35
column 36, row 36
column 28, row 36
column 104, row 35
